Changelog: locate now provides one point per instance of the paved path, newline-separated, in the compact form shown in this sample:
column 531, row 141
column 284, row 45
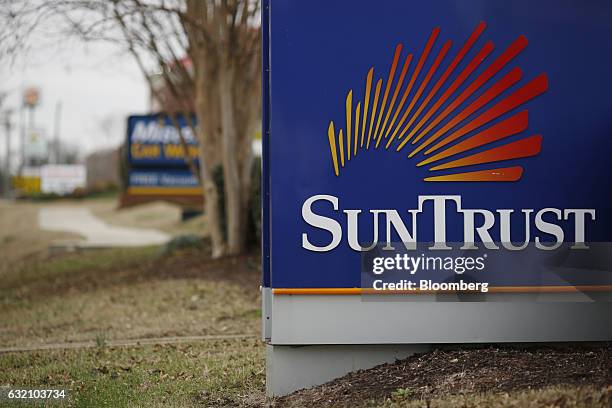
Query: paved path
column 96, row 233
column 127, row 343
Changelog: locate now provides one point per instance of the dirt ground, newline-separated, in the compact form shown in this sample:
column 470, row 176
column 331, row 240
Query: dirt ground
column 444, row 373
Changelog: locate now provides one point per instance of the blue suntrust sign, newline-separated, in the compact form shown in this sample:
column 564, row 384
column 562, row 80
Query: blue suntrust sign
column 411, row 147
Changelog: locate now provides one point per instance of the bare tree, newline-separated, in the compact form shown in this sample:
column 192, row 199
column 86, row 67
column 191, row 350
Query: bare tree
column 221, row 83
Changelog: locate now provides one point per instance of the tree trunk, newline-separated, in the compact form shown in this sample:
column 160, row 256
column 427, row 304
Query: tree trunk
column 225, row 50
column 208, row 136
column 231, row 163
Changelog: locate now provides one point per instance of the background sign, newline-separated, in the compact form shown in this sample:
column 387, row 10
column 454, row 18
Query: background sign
column 37, row 146
column 171, row 181
column 156, row 161
column 28, row 182
column 62, row 178
column 153, row 140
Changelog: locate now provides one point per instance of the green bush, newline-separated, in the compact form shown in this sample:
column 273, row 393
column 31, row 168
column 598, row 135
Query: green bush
column 254, row 214
column 254, row 220
column 218, row 179
column 186, row 241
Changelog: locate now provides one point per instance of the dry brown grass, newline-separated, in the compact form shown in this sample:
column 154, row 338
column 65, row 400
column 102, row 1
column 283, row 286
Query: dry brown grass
column 120, row 294
column 20, row 237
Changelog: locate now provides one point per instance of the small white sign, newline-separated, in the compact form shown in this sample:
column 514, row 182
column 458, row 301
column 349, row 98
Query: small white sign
column 36, row 146
column 62, row 178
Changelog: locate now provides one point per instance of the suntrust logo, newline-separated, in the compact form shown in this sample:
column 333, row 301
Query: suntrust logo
column 428, row 125
column 475, row 234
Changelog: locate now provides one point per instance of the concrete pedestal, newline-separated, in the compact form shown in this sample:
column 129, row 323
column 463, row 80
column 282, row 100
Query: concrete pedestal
column 290, row 368
column 314, row 339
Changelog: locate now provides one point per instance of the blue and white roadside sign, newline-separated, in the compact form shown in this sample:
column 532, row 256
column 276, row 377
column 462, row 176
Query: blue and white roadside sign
column 153, row 140
column 426, row 163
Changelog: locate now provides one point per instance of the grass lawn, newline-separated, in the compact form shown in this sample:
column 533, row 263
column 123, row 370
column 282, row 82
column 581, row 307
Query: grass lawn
column 122, row 294
column 129, row 293
column 216, row 373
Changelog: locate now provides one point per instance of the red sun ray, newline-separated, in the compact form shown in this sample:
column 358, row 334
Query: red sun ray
column 458, row 58
column 493, row 92
column 474, row 63
column 536, row 87
column 512, row 51
column 417, row 95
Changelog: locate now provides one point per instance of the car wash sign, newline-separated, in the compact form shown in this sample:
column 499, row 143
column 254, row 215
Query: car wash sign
column 458, row 146
column 157, row 149
column 154, row 140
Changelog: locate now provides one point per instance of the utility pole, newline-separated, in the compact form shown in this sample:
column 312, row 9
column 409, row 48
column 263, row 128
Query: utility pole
column 6, row 117
column 31, row 98
column 22, row 138
column 56, row 132
column 7, row 159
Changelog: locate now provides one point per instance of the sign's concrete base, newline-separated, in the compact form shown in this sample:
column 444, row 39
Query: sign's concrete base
column 291, row 368
column 347, row 333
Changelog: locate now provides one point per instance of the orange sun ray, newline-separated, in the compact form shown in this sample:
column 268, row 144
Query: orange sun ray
column 417, row 95
column 357, row 116
column 501, row 174
column 506, row 128
column 428, row 46
column 332, row 145
column 530, row 146
column 349, row 112
column 341, row 143
column 395, row 93
column 376, row 94
column 366, row 102
column 398, row 51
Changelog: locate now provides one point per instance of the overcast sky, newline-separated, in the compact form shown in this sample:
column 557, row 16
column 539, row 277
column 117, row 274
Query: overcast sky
column 97, row 86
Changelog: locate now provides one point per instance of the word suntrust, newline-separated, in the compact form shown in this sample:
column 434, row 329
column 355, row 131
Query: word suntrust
column 428, row 285
column 551, row 225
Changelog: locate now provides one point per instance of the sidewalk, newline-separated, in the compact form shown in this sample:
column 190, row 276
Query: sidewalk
column 96, row 233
